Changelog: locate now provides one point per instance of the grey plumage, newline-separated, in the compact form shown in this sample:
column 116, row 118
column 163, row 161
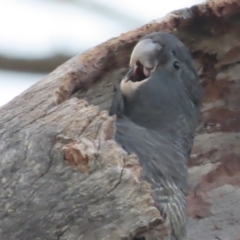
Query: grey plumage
column 157, row 108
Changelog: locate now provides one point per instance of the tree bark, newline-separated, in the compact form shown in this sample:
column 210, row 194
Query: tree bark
column 64, row 177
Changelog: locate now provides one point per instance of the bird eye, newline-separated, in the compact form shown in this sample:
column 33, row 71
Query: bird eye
column 176, row 65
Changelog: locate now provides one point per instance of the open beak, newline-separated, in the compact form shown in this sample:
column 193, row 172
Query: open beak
column 143, row 61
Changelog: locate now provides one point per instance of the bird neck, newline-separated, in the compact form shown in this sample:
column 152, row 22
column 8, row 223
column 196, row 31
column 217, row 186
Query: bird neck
column 174, row 122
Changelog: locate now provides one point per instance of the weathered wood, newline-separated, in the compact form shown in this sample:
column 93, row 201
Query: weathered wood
column 63, row 176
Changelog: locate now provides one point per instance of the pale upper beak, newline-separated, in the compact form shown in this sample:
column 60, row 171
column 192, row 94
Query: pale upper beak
column 145, row 53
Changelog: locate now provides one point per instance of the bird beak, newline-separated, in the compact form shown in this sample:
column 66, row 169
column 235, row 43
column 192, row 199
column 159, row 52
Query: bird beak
column 144, row 58
column 128, row 87
column 145, row 52
column 143, row 61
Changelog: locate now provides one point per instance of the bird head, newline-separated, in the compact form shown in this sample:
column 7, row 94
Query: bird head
column 162, row 85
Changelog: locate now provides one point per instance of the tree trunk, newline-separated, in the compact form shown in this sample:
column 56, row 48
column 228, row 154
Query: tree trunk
column 64, row 177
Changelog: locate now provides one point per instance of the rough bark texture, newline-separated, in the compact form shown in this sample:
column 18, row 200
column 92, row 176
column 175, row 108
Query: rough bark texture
column 63, row 176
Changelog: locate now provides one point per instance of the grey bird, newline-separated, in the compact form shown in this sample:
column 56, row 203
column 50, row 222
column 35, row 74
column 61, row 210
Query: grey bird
column 157, row 105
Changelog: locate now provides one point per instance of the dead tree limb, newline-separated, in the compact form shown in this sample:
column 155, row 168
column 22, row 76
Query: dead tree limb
column 40, row 65
column 63, row 176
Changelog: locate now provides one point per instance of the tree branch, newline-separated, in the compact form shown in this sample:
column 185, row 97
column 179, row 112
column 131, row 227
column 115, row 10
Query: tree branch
column 42, row 65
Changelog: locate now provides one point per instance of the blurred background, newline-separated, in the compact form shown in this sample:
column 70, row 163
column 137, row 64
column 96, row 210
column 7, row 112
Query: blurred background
column 38, row 35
